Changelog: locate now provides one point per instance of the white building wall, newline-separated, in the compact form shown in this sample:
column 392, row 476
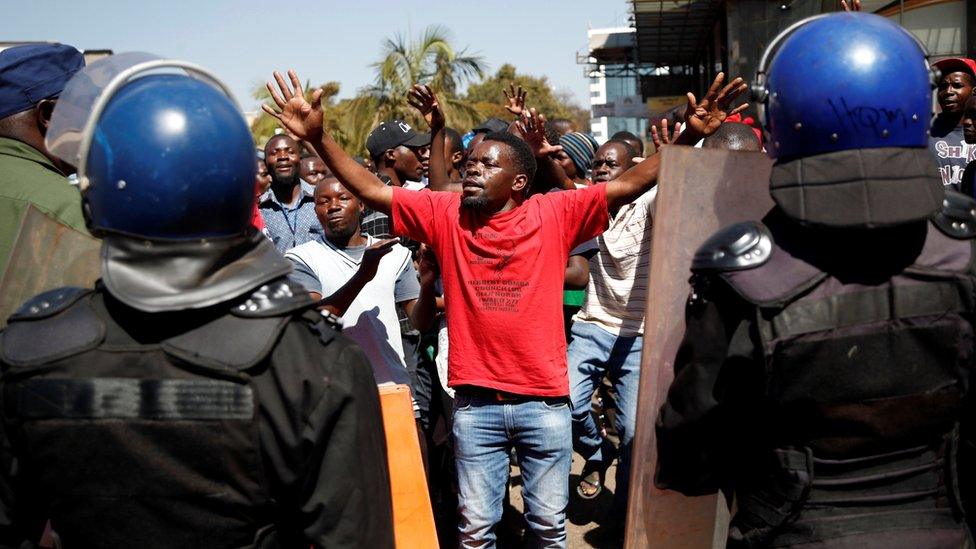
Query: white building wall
column 598, row 96
column 603, row 90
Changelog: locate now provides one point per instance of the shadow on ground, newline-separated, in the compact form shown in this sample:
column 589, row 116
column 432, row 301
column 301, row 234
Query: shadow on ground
column 587, row 522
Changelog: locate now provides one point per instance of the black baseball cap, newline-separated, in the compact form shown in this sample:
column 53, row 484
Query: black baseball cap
column 491, row 125
column 392, row 134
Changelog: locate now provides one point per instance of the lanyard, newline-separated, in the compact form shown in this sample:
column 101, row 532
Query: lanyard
column 293, row 227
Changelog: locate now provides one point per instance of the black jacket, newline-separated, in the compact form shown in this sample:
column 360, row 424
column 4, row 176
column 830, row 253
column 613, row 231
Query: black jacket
column 822, row 380
column 247, row 424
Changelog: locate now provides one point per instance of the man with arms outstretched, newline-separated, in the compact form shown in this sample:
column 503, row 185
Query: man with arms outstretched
column 502, row 260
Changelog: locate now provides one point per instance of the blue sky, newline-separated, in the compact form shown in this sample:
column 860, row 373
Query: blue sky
column 323, row 40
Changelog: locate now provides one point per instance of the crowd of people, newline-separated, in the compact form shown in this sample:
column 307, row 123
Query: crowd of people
column 501, row 273
column 497, row 243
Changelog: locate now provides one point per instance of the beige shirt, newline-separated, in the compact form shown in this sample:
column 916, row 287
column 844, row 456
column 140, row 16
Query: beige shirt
column 617, row 291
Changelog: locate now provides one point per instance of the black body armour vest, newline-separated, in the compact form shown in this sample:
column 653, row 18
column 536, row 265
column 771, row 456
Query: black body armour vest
column 867, row 342
column 143, row 437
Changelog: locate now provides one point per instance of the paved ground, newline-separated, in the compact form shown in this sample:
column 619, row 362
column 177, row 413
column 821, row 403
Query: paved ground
column 585, row 517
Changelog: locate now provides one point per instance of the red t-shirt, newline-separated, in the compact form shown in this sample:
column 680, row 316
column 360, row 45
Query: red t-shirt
column 256, row 220
column 503, row 282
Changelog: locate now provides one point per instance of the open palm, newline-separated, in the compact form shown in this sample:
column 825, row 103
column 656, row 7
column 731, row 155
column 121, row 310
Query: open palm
column 425, row 101
column 704, row 117
column 533, row 129
column 297, row 115
column 515, row 99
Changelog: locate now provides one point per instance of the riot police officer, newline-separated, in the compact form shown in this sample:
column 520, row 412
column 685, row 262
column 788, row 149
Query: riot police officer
column 823, row 373
column 193, row 397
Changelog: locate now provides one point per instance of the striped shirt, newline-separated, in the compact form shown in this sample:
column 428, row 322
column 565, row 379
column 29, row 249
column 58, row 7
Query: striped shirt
column 617, row 291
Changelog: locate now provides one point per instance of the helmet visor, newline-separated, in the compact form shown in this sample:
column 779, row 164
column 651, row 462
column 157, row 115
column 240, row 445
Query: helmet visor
column 66, row 137
column 75, row 104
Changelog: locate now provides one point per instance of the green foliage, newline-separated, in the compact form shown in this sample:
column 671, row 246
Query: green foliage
column 428, row 59
column 488, row 97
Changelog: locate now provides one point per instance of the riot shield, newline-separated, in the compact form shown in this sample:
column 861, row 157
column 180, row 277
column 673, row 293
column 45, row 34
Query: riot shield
column 46, row 255
column 413, row 516
column 699, row 191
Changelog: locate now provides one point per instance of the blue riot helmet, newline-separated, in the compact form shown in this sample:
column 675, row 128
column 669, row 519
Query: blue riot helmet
column 171, row 158
column 843, row 81
column 166, row 169
column 845, row 99
column 164, row 156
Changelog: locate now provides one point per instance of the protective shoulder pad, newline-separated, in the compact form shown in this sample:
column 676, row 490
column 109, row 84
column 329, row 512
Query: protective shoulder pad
column 737, row 247
column 48, row 303
column 957, row 216
column 52, row 333
column 324, row 324
column 230, row 342
column 331, row 320
column 277, row 298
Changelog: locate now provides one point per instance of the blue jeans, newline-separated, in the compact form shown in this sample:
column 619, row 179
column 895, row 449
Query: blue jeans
column 593, row 353
column 484, row 432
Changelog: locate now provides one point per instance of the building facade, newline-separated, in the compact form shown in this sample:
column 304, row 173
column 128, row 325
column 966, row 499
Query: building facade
column 688, row 41
column 616, row 103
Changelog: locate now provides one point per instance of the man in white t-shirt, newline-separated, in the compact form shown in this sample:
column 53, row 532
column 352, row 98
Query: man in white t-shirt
column 363, row 279
column 607, row 331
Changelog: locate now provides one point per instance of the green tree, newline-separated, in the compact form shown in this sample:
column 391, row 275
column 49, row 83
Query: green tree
column 487, row 97
column 429, row 59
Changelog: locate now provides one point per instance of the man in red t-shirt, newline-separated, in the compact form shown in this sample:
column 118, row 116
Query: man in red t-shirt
column 502, row 260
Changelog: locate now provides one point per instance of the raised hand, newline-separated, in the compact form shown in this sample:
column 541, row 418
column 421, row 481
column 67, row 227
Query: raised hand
column 427, row 267
column 664, row 137
column 300, row 117
column 340, row 300
column 372, row 256
column 533, row 128
column 703, row 118
column 423, row 99
column 515, row 98
column 854, row 6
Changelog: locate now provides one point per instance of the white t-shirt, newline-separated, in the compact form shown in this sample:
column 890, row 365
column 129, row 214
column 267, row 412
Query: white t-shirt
column 371, row 319
column 616, row 294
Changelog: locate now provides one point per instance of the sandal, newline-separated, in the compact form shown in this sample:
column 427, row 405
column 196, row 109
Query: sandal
column 591, row 479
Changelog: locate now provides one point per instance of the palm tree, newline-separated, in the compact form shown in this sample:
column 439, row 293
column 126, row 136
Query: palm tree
column 430, row 59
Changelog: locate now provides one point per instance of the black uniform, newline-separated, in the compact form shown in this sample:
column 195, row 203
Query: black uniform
column 251, row 423
column 822, row 380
